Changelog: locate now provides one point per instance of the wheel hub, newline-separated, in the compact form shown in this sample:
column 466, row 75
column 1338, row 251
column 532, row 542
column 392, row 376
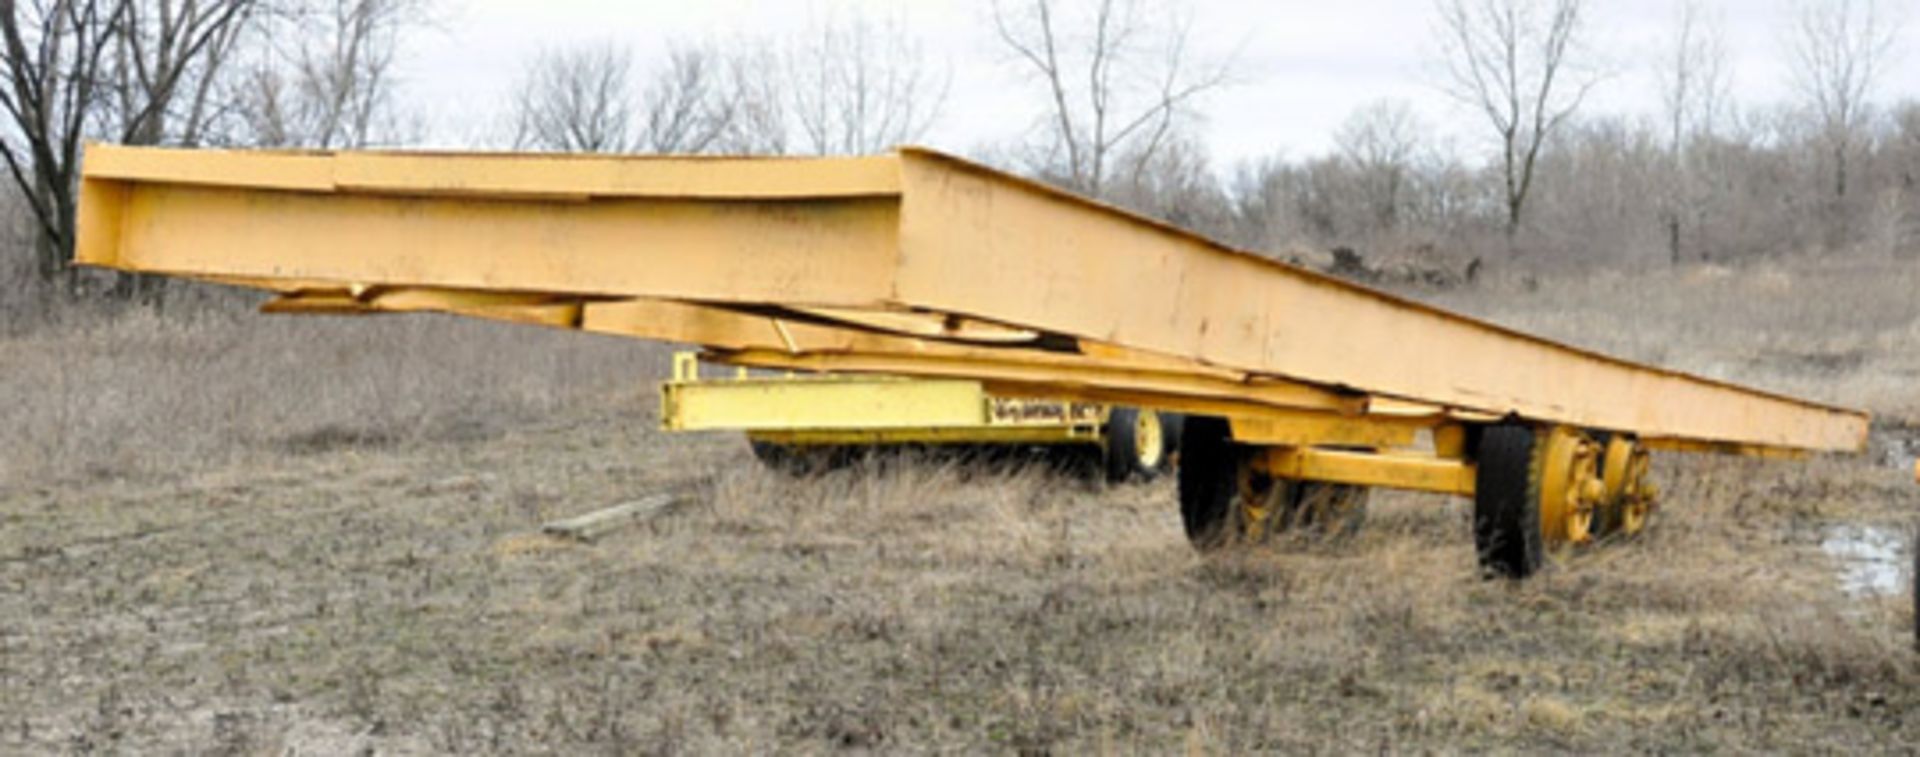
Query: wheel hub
column 1149, row 440
column 1569, row 486
column 1630, row 496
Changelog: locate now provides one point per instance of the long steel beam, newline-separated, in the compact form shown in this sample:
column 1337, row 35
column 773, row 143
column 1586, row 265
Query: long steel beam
column 915, row 243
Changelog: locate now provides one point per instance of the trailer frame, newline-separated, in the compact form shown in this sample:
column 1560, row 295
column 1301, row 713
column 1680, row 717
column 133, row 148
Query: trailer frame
column 1306, row 388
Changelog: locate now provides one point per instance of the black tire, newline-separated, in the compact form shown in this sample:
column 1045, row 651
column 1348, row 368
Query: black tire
column 1506, row 502
column 1124, row 460
column 799, row 461
column 1172, row 425
column 1214, row 473
column 1208, row 479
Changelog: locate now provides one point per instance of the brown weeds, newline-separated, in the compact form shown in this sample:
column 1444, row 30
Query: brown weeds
column 321, row 536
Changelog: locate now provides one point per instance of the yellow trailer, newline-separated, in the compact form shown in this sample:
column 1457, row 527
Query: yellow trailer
column 1302, row 389
column 808, row 423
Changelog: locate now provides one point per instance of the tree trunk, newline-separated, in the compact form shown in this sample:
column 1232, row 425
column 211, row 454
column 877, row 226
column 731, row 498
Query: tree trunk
column 1673, row 238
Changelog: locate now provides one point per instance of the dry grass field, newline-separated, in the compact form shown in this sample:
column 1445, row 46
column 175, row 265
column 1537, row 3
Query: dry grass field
column 261, row 536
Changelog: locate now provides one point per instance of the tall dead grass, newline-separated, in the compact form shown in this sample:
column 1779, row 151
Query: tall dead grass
column 143, row 395
column 354, row 564
column 1844, row 331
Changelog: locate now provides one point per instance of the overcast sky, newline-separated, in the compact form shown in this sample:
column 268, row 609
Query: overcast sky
column 1305, row 63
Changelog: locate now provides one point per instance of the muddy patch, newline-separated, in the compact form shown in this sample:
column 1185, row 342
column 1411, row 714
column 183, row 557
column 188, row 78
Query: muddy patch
column 1869, row 561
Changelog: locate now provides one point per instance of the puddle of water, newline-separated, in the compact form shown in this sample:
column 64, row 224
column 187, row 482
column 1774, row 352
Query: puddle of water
column 1872, row 560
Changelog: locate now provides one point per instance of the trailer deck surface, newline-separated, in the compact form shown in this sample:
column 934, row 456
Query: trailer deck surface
column 1304, row 392
column 915, row 263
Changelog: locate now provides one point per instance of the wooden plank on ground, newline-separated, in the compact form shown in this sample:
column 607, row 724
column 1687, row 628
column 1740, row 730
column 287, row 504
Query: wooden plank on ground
column 599, row 523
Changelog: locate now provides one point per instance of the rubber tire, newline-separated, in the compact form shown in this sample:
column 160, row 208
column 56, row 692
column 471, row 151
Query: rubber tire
column 1209, row 464
column 1506, row 503
column 1122, row 454
column 800, row 462
column 1172, row 425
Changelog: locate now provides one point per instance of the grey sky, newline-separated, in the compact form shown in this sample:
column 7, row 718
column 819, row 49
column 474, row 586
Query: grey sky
column 1306, row 63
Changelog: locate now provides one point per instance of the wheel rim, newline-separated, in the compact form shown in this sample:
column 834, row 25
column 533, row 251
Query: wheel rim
column 1569, row 486
column 1637, row 503
column 1149, row 440
column 1257, row 504
column 1629, row 494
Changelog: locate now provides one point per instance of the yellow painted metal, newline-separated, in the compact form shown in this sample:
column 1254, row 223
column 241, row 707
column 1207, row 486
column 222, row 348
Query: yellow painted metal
column 1566, row 479
column 1295, row 428
column 525, row 176
column 1450, row 441
column 1629, row 496
column 1669, row 444
column 1149, row 439
column 777, row 404
column 984, row 435
column 858, row 410
column 846, row 246
column 1148, row 286
column 1411, row 472
column 1042, row 374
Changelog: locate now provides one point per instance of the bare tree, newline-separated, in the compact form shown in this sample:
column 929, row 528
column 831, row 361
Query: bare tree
column 1516, row 62
column 54, row 52
column 577, row 100
column 759, row 122
column 165, row 68
column 1117, row 83
column 694, row 103
column 1380, row 141
column 1692, row 74
column 327, row 79
column 698, row 100
column 1692, row 77
column 1840, row 51
column 860, row 86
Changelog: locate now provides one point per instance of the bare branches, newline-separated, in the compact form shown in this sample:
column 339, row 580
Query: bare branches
column 327, row 79
column 166, row 62
column 1840, row 51
column 852, row 87
column 1121, row 86
column 585, row 100
column 52, row 58
column 1692, row 74
column 698, row 102
column 576, row 100
column 1517, row 66
column 1380, row 141
column 860, row 86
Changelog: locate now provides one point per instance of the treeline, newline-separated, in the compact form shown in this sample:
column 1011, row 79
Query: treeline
column 1118, row 89
column 246, row 73
column 1610, row 192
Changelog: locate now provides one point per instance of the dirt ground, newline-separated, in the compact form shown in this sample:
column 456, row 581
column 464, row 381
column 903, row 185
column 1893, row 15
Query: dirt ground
column 258, row 536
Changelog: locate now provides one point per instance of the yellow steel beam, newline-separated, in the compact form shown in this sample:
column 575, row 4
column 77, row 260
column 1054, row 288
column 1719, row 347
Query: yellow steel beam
column 1153, row 287
column 1088, row 380
column 773, row 404
column 1109, row 374
column 528, row 176
column 1301, row 428
column 835, row 254
column 1038, row 435
column 914, row 232
column 1723, row 448
column 1415, row 473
